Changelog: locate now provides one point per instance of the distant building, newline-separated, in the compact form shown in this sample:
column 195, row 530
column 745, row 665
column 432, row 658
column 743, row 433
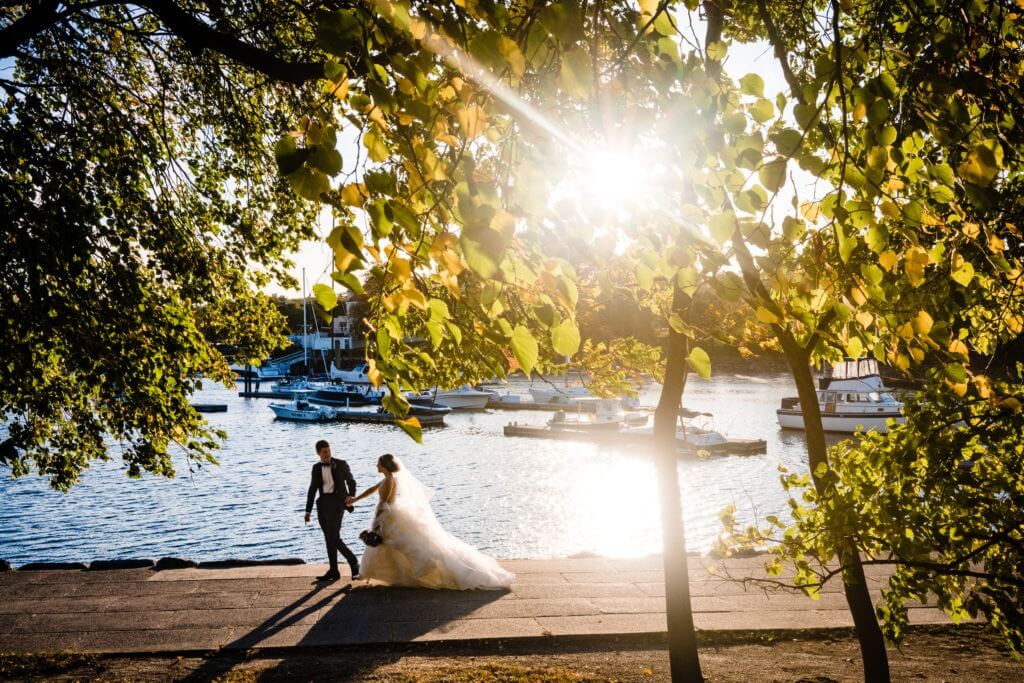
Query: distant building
column 343, row 341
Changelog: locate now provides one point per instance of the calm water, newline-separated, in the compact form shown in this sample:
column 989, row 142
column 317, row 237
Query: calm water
column 514, row 498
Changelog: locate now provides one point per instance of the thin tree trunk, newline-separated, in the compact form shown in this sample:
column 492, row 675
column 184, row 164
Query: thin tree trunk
column 869, row 634
column 682, row 638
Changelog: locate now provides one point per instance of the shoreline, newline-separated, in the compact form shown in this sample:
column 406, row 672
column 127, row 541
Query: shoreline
column 170, row 563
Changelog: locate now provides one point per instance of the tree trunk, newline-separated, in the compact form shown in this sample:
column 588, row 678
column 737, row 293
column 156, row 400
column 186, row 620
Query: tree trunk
column 682, row 638
column 869, row 635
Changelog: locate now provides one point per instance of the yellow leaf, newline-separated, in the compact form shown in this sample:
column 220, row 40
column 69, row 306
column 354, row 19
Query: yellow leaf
column 858, row 296
column 338, row 88
column 995, row 245
column 373, row 374
column 971, row 230
column 417, row 28
column 472, row 120
column 906, row 330
column 924, row 322
column 400, row 269
column 888, row 259
column 917, row 353
column 864, row 318
column 958, row 348
column 811, row 210
column 916, row 259
column 889, row 209
column 416, row 298
column 354, row 194
column 959, row 388
column 513, row 55
column 766, row 316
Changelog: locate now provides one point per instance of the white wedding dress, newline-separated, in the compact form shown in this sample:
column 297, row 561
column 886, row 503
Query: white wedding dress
column 418, row 552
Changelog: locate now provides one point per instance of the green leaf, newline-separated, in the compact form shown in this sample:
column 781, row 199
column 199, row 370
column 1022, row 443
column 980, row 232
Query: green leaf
column 524, row 347
column 411, row 426
column 309, row 183
column 289, row 158
column 982, row 163
column 717, row 51
column 439, row 309
column 325, row 296
column 338, row 32
column 752, row 84
column 722, row 225
column 964, row 274
column 700, row 362
column 565, row 338
column 350, row 281
column 577, row 74
column 483, row 250
column 787, row 141
column 376, row 148
column 873, row 274
column 326, row 159
column 762, row 110
column 773, row 175
column 435, row 328
column 805, row 115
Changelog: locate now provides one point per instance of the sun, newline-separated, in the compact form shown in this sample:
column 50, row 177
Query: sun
column 609, row 177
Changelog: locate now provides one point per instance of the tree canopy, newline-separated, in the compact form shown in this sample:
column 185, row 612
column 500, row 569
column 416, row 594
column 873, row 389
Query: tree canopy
column 143, row 213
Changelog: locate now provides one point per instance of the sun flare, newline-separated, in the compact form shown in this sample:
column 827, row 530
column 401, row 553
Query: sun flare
column 610, row 177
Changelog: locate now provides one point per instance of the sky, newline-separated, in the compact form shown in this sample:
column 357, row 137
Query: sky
column 315, row 256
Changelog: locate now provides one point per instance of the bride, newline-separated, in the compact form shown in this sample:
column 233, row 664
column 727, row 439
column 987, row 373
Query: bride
column 416, row 550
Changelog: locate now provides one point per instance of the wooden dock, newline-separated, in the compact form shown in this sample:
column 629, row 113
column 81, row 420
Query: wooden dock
column 584, row 407
column 731, row 447
column 287, row 395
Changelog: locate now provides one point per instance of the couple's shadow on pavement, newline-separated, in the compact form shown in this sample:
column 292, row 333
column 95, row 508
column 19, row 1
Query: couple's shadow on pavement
column 344, row 614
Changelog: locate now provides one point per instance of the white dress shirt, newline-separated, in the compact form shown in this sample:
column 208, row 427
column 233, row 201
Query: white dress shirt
column 328, row 478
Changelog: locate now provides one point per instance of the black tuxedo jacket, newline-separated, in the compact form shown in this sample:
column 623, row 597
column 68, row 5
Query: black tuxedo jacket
column 344, row 482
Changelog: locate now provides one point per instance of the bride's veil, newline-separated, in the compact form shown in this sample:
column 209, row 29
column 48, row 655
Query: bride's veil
column 411, row 494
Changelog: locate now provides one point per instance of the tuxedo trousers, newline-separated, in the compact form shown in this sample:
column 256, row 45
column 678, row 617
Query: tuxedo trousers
column 330, row 508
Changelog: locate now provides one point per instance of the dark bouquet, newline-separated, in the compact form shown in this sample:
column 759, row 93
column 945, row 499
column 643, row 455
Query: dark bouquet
column 371, row 537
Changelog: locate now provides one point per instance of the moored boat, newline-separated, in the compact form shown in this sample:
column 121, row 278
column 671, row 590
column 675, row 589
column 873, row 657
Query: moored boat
column 360, row 374
column 851, row 398
column 463, row 398
column 346, row 394
column 302, row 410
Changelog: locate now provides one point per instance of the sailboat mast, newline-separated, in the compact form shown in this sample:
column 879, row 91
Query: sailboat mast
column 305, row 331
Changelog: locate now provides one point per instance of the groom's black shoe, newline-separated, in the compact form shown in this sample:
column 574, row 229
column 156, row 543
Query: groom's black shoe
column 329, row 576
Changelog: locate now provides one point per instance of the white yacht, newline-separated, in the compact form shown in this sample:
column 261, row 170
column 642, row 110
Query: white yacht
column 851, row 398
column 547, row 393
column 607, row 414
column 463, row 398
column 302, row 410
column 360, row 374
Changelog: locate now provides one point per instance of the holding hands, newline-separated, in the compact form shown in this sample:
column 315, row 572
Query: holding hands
column 350, row 501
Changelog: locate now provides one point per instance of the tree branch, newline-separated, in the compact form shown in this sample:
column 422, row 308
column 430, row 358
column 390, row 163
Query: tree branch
column 187, row 27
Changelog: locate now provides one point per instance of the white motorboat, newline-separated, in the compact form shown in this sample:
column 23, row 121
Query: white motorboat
column 463, row 398
column 302, row 410
column 347, row 394
column 550, row 394
column 607, row 414
column 851, row 398
column 360, row 374
column 695, row 431
column 292, row 384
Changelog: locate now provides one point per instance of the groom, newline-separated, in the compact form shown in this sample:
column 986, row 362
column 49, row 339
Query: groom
column 333, row 479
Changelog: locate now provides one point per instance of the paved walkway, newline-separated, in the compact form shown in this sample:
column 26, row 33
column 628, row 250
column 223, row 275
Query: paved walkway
column 199, row 609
